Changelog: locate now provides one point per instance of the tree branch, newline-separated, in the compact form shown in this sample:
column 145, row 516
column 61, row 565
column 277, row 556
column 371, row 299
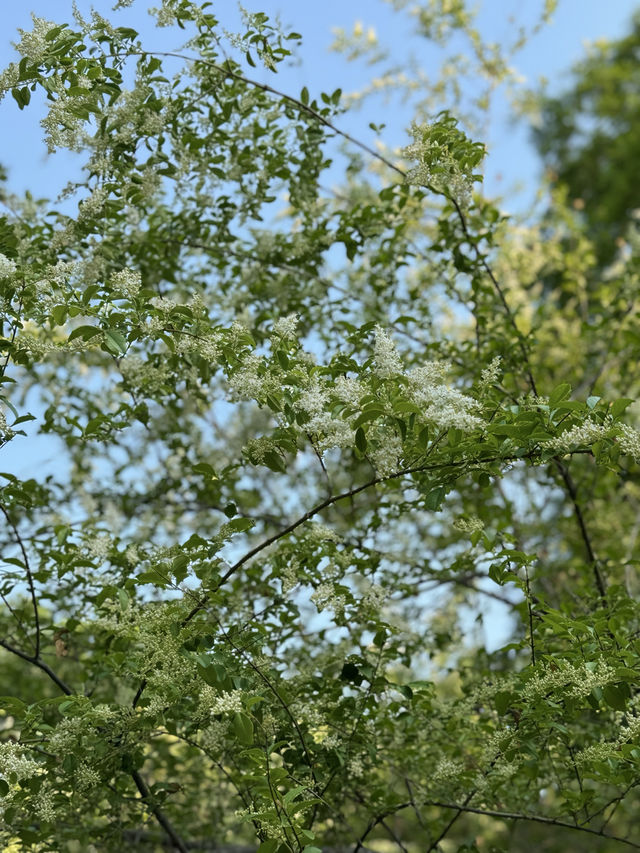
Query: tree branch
column 27, row 567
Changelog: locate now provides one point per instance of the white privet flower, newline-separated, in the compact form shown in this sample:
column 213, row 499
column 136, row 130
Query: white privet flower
column 321, row 533
column 444, row 406
column 14, row 760
column 86, row 777
column 348, row 390
column 325, row 597
column 629, row 441
column 227, row 703
column 98, row 548
column 315, row 401
column 386, row 455
column 128, row 282
column 575, row 681
column 44, row 806
column 33, row 43
column 490, row 374
column 93, row 204
column 586, row 433
column 289, row 576
column 286, row 327
column 141, row 375
column 131, row 555
column 469, row 525
column 6, row 433
column 7, row 266
column 386, row 360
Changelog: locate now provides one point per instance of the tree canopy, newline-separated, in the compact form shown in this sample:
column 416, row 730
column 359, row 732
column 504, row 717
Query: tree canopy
column 322, row 434
column 588, row 136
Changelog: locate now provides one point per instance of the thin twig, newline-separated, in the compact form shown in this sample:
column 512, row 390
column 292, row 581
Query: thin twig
column 27, row 567
column 549, row 821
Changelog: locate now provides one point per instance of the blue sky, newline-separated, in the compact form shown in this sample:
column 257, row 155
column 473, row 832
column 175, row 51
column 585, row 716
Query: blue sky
column 511, row 159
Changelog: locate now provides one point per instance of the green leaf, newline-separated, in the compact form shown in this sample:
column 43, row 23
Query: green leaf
column 115, row 342
column 268, row 846
column 239, row 525
column 615, row 696
column 361, row 440
column 84, row 332
column 559, row 393
column 243, row 727
column 618, row 406
column 304, row 95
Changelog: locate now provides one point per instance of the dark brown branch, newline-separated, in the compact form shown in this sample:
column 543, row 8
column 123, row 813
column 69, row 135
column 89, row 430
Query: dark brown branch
column 549, row 821
column 350, row 493
column 27, row 567
column 159, row 815
column 40, row 664
column 584, row 533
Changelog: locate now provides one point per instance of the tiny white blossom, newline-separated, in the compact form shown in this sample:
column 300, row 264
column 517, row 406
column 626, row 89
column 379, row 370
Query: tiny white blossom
column 586, row 433
column 286, row 327
column 7, row 266
column 128, row 282
column 385, row 355
column 629, row 441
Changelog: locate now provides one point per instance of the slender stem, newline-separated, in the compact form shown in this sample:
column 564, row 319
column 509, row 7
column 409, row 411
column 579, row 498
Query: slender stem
column 584, row 533
column 32, row 590
column 549, row 821
column 159, row 815
column 40, row 664
column 350, row 493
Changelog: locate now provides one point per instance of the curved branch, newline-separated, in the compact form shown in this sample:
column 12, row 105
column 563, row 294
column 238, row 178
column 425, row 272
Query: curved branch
column 27, row 567
column 549, row 821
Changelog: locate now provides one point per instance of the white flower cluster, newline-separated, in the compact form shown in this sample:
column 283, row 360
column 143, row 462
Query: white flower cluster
column 7, row 266
column 576, row 681
column 490, row 374
column 257, row 448
column 289, row 576
column 127, row 282
column 579, row 435
column 249, row 383
column 285, row 327
column 385, row 355
column 386, row 453
column 6, row 433
column 92, row 205
column 98, row 548
column 131, row 555
column 605, row 750
column 321, row 533
column 348, row 390
column 143, row 376
column 332, row 432
column 14, row 760
column 44, row 806
column 468, row 525
column 86, row 777
column 446, row 770
column 33, row 43
column 629, row 441
column 325, row 597
column 224, row 703
column 444, row 406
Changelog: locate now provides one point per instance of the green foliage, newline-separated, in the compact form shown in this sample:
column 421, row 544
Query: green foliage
column 307, row 442
column 589, row 135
